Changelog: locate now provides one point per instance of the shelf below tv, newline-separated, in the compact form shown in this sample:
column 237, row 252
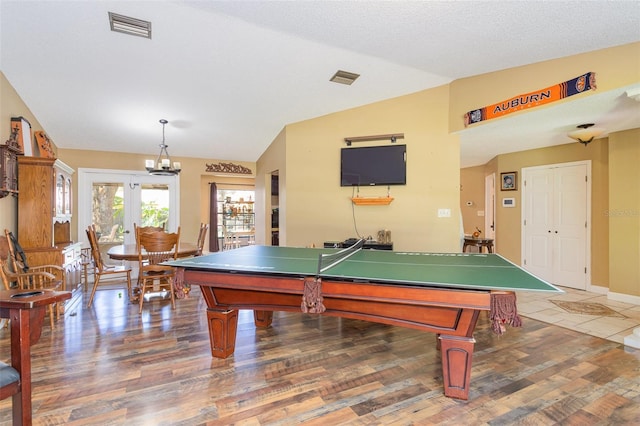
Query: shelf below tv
column 372, row 201
column 368, row 245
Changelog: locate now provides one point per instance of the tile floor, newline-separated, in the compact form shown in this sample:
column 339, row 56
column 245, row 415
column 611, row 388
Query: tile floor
column 614, row 327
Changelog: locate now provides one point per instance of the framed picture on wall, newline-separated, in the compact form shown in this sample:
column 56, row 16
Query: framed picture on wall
column 509, row 181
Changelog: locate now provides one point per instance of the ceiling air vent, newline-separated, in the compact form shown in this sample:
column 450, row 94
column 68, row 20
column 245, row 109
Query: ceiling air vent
column 131, row 26
column 344, row 77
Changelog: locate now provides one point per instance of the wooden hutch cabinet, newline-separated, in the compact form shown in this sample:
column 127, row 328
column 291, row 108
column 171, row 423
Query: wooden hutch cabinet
column 44, row 215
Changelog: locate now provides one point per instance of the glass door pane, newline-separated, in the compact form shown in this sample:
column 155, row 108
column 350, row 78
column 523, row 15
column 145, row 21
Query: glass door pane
column 154, row 204
column 108, row 213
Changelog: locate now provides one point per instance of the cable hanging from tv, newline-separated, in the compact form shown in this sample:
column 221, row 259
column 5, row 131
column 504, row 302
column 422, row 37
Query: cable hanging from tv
column 393, row 137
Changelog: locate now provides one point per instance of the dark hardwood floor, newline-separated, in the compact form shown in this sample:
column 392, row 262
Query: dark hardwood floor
column 108, row 365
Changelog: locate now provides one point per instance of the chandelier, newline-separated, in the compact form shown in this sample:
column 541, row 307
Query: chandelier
column 163, row 165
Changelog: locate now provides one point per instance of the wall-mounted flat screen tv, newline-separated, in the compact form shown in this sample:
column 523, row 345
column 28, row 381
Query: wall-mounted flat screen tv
column 373, row 165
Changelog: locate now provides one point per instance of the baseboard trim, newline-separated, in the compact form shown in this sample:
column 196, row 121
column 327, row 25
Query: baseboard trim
column 598, row 289
column 626, row 298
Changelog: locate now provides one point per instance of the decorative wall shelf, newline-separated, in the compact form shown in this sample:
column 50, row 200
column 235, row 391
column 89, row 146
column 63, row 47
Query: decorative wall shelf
column 228, row 168
column 392, row 137
column 371, row 201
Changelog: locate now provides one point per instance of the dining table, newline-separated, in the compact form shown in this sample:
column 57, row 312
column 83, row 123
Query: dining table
column 130, row 251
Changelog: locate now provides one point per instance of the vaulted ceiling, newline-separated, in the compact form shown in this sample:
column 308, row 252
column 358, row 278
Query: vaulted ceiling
column 229, row 75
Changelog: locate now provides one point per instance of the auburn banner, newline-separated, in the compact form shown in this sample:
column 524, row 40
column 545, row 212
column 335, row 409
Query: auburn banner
column 530, row 100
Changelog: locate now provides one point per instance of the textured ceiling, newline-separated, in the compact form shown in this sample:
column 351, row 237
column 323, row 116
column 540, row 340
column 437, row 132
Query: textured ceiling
column 229, row 75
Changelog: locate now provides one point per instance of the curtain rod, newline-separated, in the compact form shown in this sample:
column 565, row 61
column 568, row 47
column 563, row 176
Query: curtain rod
column 233, row 184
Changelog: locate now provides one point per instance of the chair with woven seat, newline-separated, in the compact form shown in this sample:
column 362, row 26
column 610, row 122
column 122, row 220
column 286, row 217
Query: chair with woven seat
column 153, row 249
column 101, row 269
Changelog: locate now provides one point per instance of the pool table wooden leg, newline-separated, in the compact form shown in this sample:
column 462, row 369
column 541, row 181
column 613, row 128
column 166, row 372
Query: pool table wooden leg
column 457, row 354
column 223, row 325
column 262, row 318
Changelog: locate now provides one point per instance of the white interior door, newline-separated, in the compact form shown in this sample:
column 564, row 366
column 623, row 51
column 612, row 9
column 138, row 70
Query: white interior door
column 537, row 209
column 490, row 206
column 570, row 220
column 556, row 223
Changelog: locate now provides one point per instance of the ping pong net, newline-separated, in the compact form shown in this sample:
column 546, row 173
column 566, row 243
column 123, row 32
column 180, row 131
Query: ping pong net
column 329, row 260
column 312, row 292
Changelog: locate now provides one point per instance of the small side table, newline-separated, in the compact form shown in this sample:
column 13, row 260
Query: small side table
column 478, row 242
column 26, row 311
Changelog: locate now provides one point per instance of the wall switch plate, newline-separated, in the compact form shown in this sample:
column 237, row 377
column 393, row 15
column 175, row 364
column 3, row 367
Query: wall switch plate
column 444, row 212
column 480, row 212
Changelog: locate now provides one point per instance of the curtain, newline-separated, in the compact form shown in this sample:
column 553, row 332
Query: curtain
column 213, row 218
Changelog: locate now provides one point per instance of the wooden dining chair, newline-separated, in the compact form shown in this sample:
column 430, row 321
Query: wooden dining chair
column 153, row 249
column 101, row 269
column 18, row 261
column 230, row 241
column 204, row 227
column 138, row 229
column 30, row 280
column 252, row 237
column 86, row 262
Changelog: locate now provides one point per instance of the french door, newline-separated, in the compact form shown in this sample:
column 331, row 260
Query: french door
column 113, row 200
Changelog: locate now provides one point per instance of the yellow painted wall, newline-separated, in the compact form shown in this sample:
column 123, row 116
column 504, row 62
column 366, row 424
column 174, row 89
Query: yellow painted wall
column 11, row 105
column 623, row 212
column 614, row 67
column 318, row 209
column 472, row 190
column 273, row 160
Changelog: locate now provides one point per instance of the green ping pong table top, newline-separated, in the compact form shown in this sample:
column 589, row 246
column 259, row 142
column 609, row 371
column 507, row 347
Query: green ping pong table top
column 470, row 271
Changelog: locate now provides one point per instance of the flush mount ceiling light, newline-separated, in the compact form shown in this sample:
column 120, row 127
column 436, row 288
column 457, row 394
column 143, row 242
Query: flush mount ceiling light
column 344, row 77
column 585, row 133
column 163, row 165
column 128, row 25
